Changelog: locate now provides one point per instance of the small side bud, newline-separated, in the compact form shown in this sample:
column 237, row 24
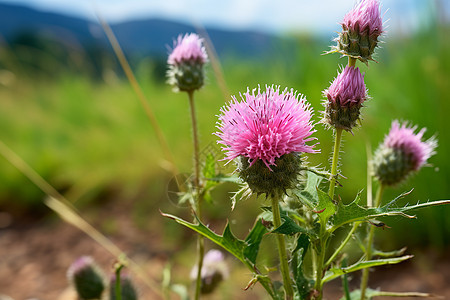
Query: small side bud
column 214, row 271
column 87, row 278
column 402, row 153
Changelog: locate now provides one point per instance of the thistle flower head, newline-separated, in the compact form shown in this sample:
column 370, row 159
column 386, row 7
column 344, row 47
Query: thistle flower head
column 345, row 97
column 188, row 48
column 364, row 16
column 186, row 62
column 402, row 153
column 266, row 131
column 87, row 278
column 214, row 271
column 361, row 28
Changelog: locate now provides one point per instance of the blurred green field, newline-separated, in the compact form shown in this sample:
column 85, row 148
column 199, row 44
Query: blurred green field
column 92, row 140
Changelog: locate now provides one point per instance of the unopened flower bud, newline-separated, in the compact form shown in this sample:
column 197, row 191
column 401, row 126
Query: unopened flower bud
column 214, row 271
column 87, row 278
column 361, row 28
column 265, row 134
column 186, row 63
column 402, row 153
column 127, row 288
column 344, row 99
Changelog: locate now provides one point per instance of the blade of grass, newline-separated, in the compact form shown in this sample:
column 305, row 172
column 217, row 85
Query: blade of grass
column 136, row 87
column 214, row 59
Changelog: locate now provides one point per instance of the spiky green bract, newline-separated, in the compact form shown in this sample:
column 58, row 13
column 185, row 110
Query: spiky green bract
column 87, row 278
column 262, row 180
column 187, row 76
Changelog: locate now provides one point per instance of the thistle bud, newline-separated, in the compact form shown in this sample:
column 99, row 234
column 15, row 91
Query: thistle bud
column 214, row 271
column 127, row 288
column 265, row 134
column 87, row 278
column 361, row 28
column 186, row 63
column 401, row 154
column 345, row 97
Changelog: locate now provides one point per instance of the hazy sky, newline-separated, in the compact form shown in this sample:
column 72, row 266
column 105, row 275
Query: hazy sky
column 268, row 15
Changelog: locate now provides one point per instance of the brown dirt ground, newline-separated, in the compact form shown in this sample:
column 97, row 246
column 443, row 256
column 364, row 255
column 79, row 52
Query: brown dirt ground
column 35, row 255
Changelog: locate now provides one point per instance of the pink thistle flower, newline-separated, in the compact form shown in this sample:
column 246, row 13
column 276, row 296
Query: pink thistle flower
column 266, row 126
column 345, row 97
column 364, row 16
column 186, row 62
column 188, row 48
column 402, row 153
column 214, row 271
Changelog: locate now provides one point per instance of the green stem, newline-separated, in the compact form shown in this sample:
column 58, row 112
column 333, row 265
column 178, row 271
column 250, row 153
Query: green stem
column 118, row 286
column 289, row 291
column 351, row 61
column 342, row 245
column 197, row 200
column 365, row 272
column 334, row 163
column 320, row 267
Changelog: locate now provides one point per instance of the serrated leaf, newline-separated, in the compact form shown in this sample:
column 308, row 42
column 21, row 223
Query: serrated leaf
column 326, row 206
column 308, row 195
column 253, row 241
column 289, row 227
column 354, row 212
column 336, row 272
column 246, row 251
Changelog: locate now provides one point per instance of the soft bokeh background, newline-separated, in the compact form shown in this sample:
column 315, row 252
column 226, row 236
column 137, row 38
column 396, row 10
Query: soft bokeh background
column 68, row 110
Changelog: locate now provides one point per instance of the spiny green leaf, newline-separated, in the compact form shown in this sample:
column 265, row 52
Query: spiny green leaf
column 336, row 272
column 354, row 212
column 308, row 193
column 246, row 251
column 326, row 206
column 289, row 227
column 253, row 241
column 303, row 285
column 390, row 253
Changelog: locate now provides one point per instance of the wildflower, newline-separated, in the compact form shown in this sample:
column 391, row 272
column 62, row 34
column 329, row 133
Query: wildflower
column 186, row 63
column 265, row 133
column 402, row 153
column 361, row 28
column 214, row 271
column 87, row 278
column 345, row 97
column 127, row 289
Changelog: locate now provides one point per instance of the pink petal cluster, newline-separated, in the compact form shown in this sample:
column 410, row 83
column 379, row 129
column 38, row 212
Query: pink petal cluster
column 188, row 48
column 365, row 15
column 266, row 125
column 403, row 138
column 348, row 88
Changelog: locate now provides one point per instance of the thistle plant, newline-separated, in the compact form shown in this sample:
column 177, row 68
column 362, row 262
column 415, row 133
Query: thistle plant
column 186, row 74
column 87, row 278
column 267, row 134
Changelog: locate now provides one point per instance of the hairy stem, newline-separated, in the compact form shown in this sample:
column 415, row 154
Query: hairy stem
column 365, row 272
column 197, row 204
column 334, row 163
column 289, row 291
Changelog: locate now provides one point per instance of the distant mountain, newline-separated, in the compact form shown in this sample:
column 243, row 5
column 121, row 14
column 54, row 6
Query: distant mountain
column 141, row 37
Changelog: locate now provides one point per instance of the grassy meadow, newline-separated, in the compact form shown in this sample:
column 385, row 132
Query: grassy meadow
column 91, row 139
